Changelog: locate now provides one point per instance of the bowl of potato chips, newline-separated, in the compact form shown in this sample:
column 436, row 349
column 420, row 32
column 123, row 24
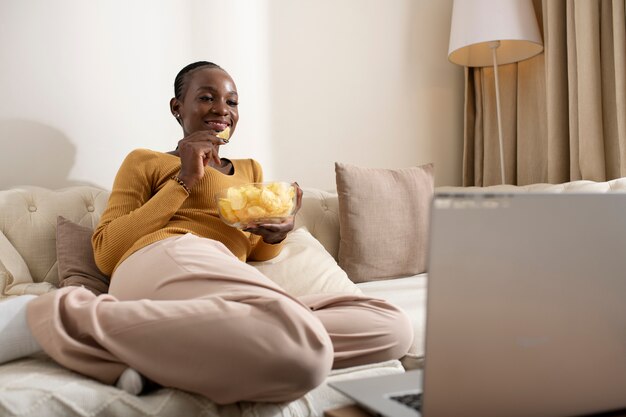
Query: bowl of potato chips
column 251, row 204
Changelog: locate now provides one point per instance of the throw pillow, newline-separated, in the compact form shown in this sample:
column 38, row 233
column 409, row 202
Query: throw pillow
column 305, row 267
column 15, row 277
column 383, row 220
column 77, row 266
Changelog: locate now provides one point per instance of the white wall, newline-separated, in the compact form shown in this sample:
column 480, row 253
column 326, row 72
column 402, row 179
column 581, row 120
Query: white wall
column 359, row 81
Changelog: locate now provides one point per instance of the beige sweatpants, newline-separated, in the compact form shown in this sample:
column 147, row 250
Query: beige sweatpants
column 188, row 314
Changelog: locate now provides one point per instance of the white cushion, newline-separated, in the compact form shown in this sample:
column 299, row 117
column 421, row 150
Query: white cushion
column 305, row 267
column 410, row 295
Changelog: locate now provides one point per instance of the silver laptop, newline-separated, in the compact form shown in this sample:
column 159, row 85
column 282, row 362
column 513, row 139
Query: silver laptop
column 526, row 311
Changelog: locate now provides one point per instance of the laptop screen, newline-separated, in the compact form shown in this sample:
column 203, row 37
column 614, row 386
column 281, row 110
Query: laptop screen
column 526, row 309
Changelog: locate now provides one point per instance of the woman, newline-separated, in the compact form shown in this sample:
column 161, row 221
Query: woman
column 184, row 309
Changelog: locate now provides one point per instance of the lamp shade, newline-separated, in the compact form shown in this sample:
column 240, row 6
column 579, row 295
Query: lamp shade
column 476, row 23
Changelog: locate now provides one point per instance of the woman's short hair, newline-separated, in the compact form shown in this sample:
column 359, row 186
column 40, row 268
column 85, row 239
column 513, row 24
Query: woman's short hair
column 179, row 82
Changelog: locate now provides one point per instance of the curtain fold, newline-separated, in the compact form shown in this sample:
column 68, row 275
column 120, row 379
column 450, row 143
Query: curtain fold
column 563, row 111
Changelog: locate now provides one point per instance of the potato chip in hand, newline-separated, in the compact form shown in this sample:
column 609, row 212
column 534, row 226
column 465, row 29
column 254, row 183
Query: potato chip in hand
column 224, row 134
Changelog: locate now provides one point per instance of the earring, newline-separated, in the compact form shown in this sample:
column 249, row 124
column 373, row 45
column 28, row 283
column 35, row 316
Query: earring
column 177, row 116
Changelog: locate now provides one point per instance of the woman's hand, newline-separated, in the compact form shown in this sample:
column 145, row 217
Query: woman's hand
column 277, row 232
column 196, row 151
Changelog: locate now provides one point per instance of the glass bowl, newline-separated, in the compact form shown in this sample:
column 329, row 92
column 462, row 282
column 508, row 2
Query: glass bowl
column 251, row 204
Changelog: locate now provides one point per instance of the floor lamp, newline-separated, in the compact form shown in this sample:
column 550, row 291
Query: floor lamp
column 493, row 32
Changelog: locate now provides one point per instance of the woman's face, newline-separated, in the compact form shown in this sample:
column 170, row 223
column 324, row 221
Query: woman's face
column 209, row 102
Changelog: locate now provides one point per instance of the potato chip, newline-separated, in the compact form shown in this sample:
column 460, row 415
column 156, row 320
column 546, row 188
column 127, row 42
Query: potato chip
column 227, row 211
column 224, row 134
column 237, row 198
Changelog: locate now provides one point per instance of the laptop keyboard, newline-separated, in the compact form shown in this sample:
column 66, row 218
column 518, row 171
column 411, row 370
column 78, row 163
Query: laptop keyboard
column 413, row 400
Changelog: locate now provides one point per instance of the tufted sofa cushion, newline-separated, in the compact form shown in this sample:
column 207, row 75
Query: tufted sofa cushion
column 320, row 215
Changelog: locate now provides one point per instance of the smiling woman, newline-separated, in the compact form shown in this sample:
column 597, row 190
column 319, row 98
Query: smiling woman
column 184, row 309
column 205, row 104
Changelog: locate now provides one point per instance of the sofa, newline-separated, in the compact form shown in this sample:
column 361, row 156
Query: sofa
column 36, row 386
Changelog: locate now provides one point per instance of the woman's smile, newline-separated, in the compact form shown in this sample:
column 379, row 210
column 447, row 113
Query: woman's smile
column 216, row 126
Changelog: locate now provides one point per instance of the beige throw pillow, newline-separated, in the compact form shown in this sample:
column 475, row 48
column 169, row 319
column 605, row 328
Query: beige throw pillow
column 383, row 220
column 305, row 267
column 77, row 266
column 15, row 277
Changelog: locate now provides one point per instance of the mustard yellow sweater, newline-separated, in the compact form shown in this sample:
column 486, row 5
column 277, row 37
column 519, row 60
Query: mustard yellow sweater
column 146, row 206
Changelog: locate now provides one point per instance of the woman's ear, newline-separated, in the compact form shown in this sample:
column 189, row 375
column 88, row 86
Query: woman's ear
column 175, row 106
column 175, row 109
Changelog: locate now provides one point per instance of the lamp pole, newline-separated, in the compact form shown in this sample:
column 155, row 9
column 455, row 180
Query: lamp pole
column 494, row 45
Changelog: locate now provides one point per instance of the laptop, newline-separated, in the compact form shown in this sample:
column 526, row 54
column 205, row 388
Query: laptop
column 526, row 310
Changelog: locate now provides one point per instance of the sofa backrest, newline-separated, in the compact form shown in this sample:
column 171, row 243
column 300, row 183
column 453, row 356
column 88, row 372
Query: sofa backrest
column 581, row 186
column 320, row 209
column 28, row 218
column 320, row 215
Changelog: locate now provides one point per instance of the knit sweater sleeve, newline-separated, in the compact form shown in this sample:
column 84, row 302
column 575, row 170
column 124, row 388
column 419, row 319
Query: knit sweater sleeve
column 134, row 209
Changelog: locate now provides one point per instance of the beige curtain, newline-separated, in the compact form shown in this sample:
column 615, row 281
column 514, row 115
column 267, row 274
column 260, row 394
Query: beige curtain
column 563, row 111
